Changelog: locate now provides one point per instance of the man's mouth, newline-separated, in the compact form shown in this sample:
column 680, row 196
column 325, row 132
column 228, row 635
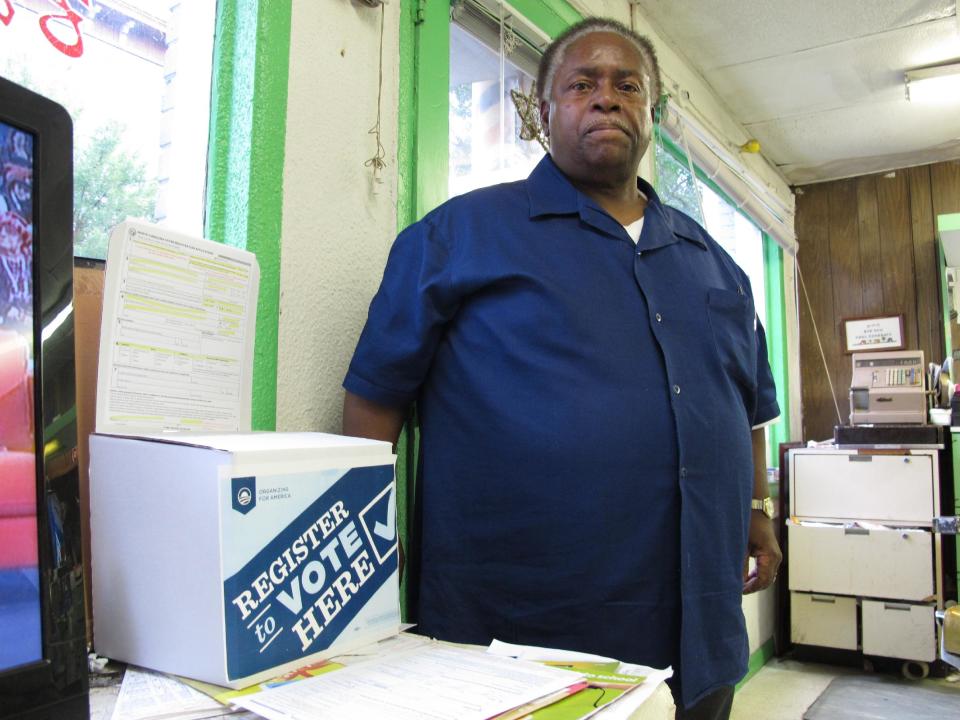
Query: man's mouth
column 607, row 125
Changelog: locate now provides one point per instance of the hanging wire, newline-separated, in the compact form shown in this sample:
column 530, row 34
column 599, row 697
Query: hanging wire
column 813, row 321
column 377, row 162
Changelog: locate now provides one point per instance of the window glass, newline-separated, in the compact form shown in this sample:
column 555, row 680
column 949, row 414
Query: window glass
column 135, row 77
column 729, row 227
column 675, row 184
column 485, row 142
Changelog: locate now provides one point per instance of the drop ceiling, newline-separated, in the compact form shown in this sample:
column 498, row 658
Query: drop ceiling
column 820, row 83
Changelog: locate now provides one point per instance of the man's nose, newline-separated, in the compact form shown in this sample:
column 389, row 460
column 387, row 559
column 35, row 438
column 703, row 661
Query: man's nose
column 605, row 98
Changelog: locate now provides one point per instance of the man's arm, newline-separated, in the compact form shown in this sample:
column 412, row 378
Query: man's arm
column 762, row 540
column 366, row 419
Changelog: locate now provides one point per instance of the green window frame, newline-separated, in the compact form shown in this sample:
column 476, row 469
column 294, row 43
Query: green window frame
column 248, row 106
column 775, row 321
column 424, row 103
column 422, row 162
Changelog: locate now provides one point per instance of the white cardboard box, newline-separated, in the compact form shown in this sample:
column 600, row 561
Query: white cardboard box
column 231, row 558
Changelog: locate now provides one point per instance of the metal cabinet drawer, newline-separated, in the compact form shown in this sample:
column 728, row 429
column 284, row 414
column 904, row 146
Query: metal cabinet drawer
column 824, row 620
column 895, row 563
column 899, row 630
column 842, row 485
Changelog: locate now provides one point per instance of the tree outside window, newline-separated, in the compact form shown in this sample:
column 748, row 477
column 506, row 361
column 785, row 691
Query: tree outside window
column 135, row 77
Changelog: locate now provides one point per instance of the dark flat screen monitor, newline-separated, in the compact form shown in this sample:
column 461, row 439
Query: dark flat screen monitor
column 42, row 633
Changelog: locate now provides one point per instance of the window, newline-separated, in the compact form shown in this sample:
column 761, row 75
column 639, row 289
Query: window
column 733, row 230
column 757, row 254
column 135, row 77
column 491, row 54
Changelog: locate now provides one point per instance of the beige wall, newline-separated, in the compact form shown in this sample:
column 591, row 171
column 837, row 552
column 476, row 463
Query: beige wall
column 338, row 223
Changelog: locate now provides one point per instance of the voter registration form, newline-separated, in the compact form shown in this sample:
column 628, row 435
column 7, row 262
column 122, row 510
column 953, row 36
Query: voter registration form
column 429, row 682
column 177, row 332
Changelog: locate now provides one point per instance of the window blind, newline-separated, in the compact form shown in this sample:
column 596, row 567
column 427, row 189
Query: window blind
column 482, row 19
column 767, row 210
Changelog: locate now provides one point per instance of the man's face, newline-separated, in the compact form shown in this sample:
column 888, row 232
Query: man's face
column 599, row 113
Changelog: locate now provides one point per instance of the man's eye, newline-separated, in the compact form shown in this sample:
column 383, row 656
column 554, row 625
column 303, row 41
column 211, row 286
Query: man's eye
column 580, row 85
column 630, row 87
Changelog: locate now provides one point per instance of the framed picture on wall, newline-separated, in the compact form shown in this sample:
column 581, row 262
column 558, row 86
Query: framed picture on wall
column 884, row 332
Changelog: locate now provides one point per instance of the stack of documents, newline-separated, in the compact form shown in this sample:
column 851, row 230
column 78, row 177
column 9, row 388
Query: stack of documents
column 412, row 678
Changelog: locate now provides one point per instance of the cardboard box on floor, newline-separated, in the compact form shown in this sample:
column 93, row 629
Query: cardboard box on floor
column 231, row 558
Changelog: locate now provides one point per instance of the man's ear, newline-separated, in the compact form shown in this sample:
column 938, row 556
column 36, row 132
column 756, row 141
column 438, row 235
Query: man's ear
column 545, row 117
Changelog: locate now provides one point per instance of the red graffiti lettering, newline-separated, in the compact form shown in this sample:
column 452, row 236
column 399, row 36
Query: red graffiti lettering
column 6, row 17
column 75, row 49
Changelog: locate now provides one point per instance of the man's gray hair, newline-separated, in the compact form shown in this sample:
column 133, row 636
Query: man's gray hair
column 553, row 56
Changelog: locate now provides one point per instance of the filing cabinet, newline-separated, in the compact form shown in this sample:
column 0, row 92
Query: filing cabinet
column 865, row 570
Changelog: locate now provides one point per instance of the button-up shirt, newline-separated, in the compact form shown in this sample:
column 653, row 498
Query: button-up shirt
column 586, row 407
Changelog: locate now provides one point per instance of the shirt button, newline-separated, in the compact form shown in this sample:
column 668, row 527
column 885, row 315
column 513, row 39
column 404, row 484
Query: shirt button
column 639, row 253
column 683, row 472
column 676, row 389
column 659, row 317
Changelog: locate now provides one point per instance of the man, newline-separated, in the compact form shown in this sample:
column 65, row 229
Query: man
column 587, row 367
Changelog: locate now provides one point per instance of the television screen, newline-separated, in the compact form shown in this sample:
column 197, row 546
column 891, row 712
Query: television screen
column 20, row 610
column 43, row 660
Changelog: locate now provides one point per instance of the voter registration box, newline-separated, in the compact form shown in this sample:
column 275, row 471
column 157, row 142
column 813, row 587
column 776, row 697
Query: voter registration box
column 231, row 558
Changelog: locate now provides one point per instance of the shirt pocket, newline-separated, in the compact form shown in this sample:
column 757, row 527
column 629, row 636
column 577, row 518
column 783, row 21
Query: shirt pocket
column 732, row 317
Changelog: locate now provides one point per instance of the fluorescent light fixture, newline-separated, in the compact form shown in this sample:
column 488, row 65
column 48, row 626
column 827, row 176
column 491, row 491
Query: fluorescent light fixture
column 937, row 84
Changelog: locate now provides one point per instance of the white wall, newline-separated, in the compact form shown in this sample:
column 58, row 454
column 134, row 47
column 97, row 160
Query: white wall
column 338, row 224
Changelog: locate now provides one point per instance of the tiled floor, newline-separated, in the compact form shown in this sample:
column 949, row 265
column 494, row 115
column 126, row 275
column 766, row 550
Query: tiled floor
column 784, row 689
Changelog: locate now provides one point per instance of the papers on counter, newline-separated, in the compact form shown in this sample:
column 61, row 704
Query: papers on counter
column 410, row 677
column 542, row 654
column 622, row 687
column 429, row 682
column 148, row 695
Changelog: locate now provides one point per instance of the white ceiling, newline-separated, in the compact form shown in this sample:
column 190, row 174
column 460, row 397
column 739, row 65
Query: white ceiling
column 820, row 82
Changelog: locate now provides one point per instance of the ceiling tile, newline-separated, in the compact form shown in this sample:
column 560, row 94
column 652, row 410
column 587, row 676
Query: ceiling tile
column 727, row 32
column 820, row 84
column 865, row 70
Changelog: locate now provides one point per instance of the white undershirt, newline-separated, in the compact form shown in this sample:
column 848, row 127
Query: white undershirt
column 636, row 227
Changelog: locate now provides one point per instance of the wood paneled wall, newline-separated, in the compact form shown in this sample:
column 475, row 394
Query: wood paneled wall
column 867, row 247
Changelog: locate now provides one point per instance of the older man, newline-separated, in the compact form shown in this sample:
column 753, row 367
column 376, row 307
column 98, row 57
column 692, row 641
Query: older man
column 591, row 384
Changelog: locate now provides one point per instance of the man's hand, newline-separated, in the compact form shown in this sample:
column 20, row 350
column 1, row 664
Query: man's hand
column 762, row 545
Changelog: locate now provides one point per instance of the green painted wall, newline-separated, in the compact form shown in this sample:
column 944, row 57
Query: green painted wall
column 245, row 163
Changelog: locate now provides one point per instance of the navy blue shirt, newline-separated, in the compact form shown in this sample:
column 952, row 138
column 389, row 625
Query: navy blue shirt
column 586, row 409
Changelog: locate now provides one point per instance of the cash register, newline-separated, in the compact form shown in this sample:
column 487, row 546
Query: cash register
column 888, row 388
